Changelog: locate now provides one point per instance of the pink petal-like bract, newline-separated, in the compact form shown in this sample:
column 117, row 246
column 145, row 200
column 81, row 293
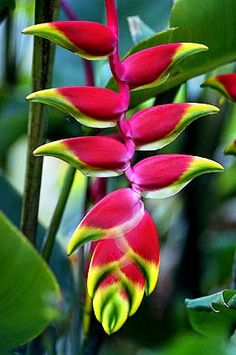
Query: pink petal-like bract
column 93, row 38
column 155, row 127
column 99, row 155
column 92, row 106
column 99, row 151
column 150, row 66
column 225, row 83
column 164, row 175
column 95, row 102
column 116, row 213
column 90, row 40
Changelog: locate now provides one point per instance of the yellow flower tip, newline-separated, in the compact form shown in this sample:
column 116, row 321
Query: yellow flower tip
column 192, row 47
column 207, row 165
column 219, row 167
column 227, row 150
column 42, row 95
column 186, row 49
column 203, row 108
column 56, row 149
column 209, row 82
column 230, row 149
column 210, row 108
column 27, row 30
column 36, row 29
column 70, row 248
column 34, row 96
column 82, row 235
column 38, row 151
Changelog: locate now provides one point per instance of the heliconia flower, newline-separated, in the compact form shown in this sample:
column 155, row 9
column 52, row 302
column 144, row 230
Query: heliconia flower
column 96, row 155
column 231, row 148
column 91, row 106
column 89, row 40
column 155, row 127
column 225, row 83
column 139, row 245
column 151, row 66
column 124, row 266
column 116, row 213
column 164, row 175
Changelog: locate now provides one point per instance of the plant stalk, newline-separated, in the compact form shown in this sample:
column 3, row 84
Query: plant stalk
column 45, row 11
column 58, row 213
column 233, row 280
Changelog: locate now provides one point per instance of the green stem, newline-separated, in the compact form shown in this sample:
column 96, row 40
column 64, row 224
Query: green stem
column 10, row 53
column 233, row 281
column 58, row 213
column 45, row 11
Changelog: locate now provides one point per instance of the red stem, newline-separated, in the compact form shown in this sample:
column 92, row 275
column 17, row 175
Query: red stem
column 112, row 17
column 88, row 68
column 118, row 72
column 116, row 66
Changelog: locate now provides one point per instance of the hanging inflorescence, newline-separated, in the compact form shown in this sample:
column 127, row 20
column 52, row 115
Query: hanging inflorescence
column 124, row 248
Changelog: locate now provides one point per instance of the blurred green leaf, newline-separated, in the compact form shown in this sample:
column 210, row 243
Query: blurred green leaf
column 218, row 249
column 213, row 25
column 10, row 204
column 213, row 315
column 29, row 292
column 196, row 345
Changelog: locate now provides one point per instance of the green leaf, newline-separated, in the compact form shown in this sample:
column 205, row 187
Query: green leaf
column 213, row 315
column 11, row 205
column 187, row 343
column 29, row 292
column 213, row 25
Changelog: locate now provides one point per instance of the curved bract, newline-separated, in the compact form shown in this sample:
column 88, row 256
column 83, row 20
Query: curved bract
column 116, row 213
column 155, row 127
column 89, row 40
column 91, row 106
column 164, row 175
column 98, row 156
column 151, row 66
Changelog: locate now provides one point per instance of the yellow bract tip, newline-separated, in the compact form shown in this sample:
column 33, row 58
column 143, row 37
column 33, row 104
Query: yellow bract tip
column 193, row 47
column 230, row 149
column 84, row 234
column 207, row 165
column 43, row 95
column 36, row 29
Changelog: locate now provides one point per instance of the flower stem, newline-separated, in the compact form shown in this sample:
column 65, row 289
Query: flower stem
column 45, row 11
column 233, row 281
column 58, row 213
column 112, row 16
